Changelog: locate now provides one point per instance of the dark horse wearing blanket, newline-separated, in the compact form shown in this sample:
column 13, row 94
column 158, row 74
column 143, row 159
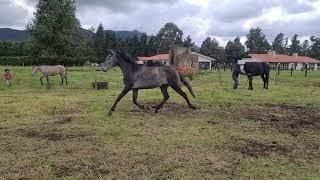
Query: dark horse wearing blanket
column 138, row 76
column 257, row 69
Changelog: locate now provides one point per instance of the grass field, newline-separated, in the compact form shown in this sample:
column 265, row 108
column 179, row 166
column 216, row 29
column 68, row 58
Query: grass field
column 64, row 131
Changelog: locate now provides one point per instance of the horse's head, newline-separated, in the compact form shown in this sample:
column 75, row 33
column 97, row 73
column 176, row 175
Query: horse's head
column 34, row 70
column 110, row 62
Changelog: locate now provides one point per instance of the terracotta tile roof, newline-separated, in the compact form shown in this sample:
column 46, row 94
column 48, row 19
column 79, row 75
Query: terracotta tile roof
column 284, row 58
column 159, row 57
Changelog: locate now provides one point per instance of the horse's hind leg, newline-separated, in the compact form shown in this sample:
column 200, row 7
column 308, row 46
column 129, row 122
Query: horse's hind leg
column 135, row 97
column 267, row 81
column 178, row 89
column 264, row 81
column 122, row 94
column 250, row 82
column 164, row 90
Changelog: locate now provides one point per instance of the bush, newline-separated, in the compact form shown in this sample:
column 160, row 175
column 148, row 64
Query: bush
column 49, row 60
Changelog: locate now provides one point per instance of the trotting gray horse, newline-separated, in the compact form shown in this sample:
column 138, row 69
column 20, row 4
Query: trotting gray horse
column 138, row 76
column 50, row 71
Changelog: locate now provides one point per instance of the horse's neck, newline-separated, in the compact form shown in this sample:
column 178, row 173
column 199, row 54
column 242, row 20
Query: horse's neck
column 125, row 67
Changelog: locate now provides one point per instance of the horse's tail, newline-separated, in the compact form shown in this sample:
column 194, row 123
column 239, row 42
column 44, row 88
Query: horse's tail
column 187, row 84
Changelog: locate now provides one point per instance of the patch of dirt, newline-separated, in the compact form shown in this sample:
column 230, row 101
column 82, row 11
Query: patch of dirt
column 70, row 169
column 257, row 149
column 49, row 135
column 286, row 118
column 212, row 123
column 63, row 120
column 169, row 107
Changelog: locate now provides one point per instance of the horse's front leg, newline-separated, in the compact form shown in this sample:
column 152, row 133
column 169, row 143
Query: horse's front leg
column 61, row 80
column 41, row 80
column 122, row 94
column 47, row 77
column 135, row 97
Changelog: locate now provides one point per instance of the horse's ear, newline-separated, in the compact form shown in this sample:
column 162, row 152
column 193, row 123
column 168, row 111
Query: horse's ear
column 110, row 51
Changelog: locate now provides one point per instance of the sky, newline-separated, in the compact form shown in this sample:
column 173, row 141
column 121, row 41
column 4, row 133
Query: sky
column 220, row 19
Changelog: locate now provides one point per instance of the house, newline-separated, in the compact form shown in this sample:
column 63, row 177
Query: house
column 204, row 62
column 163, row 59
column 285, row 61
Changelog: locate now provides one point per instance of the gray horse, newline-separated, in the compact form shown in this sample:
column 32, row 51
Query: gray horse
column 138, row 76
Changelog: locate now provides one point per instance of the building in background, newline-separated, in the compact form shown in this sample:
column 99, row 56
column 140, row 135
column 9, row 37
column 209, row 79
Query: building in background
column 204, row 62
column 285, row 61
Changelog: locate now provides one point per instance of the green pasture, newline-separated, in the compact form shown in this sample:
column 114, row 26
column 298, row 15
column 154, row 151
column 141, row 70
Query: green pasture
column 64, row 131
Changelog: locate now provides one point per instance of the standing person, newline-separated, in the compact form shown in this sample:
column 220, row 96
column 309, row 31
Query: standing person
column 7, row 76
column 235, row 75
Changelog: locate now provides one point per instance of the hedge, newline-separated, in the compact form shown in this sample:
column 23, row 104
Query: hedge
column 28, row 61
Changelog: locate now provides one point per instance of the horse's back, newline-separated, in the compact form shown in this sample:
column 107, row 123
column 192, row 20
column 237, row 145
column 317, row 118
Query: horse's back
column 54, row 70
column 256, row 68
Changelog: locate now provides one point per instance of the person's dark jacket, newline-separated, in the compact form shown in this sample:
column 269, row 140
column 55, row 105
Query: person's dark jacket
column 237, row 71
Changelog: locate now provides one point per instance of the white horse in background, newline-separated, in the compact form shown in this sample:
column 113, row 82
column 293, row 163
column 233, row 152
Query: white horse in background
column 50, row 71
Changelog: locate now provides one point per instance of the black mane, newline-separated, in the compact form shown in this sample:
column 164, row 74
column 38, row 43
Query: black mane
column 128, row 58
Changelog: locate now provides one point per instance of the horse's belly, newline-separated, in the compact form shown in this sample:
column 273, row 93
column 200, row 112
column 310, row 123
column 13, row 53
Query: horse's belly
column 148, row 84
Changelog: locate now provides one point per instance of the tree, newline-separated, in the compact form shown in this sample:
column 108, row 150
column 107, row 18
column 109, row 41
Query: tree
column 256, row 42
column 55, row 30
column 280, row 44
column 152, row 48
column 315, row 47
column 305, row 48
column 99, row 42
column 169, row 36
column 110, row 40
column 144, row 45
column 210, row 47
column 133, row 46
column 187, row 42
column 295, row 46
column 234, row 50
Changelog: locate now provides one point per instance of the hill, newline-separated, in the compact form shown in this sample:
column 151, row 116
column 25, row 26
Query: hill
column 7, row 34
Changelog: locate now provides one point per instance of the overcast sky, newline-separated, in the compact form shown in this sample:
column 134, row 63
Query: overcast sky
column 222, row 19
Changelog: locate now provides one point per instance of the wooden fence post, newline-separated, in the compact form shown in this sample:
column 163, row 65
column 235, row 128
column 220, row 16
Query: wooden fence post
column 306, row 70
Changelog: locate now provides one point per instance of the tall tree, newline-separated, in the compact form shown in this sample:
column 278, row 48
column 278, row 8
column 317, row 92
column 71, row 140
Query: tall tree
column 168, row 37
column 152, row 48
column 187, row 42
column 234, row 50
column 133, row 46
column 210, row 47
column 110, row 40
column 256, row 42
column 295, row 46
column 55, row 30
column 99, row 42
column 280, row 44
column 305, row 48
column 144, row 45
column 315, row 47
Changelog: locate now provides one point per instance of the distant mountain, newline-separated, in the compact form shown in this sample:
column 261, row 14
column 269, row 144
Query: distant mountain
column 7, row 34
column 127, row 34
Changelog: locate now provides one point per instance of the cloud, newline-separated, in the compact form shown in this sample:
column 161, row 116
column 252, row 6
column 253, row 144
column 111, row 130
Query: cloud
column 198, row 18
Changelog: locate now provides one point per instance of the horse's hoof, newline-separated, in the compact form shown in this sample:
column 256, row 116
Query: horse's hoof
column 110, row 113
column 193, row 107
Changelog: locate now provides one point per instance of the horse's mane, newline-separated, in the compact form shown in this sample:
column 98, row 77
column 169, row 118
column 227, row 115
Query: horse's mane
column 128, row 58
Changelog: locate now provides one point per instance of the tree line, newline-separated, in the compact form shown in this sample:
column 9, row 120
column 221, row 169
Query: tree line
column 56, row 33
